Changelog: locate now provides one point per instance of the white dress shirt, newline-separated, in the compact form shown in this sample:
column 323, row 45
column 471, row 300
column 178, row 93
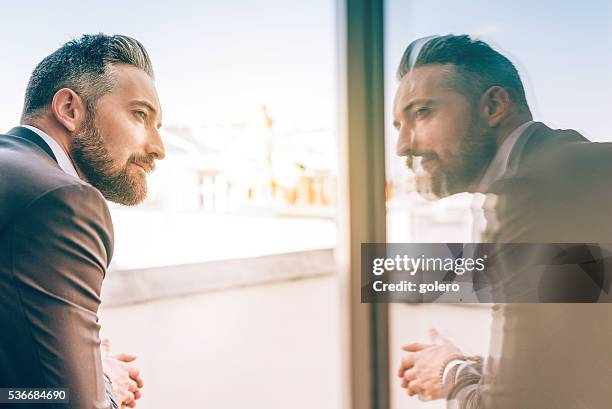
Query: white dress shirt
column 499, row 164
column 63, row 160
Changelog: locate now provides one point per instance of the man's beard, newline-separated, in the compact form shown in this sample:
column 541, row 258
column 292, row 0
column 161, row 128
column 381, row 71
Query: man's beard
column 475, row 153
column 113, row 180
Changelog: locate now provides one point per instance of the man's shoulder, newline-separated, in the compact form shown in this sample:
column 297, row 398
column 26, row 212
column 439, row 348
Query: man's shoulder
column 551, row 155
column 29, row 174
column 545, row 141
column 559, row 193
column 567, row 153
column 28, row 169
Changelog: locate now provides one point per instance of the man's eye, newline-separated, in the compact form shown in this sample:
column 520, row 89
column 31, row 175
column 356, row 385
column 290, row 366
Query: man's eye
column 421, row 112
column 141, row 114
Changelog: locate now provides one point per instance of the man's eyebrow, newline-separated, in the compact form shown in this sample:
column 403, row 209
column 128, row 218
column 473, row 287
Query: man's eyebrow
column 411, row 104
column 147, row 105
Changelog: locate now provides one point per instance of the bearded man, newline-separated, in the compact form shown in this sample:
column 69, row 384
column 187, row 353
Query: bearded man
column 462, row 115
column 89, row 132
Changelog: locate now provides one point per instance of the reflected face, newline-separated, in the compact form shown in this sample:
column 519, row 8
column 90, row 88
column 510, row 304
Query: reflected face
column 119, row 142
column 443, row 128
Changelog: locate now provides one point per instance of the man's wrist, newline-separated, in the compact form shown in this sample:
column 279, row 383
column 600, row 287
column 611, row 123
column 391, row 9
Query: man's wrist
column 453, row 364
column 108, row 386
column 448, row 364
column 450, row 369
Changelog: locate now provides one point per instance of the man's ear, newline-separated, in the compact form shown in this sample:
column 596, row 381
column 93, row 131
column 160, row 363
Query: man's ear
column 68, row 109
column 496, row 104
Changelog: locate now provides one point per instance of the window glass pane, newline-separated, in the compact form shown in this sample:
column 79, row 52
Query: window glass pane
column 562, row 53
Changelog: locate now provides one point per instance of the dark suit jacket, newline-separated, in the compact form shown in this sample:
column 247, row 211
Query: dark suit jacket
column 557, row 189
column 56, row 241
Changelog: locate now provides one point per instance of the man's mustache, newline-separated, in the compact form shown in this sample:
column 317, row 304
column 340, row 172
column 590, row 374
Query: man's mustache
column 148, row 160
column 424, row 155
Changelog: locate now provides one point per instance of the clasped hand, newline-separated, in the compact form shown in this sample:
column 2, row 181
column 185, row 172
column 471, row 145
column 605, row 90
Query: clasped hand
column 420, row 370
column 124, row 375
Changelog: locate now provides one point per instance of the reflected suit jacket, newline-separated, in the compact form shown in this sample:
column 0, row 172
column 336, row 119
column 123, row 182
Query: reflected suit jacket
column 557, row 189
column 56, row 241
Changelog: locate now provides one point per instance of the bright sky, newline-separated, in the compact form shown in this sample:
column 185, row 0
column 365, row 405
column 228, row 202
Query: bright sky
column 563, row 50
column 218, row 62
column 215, row 62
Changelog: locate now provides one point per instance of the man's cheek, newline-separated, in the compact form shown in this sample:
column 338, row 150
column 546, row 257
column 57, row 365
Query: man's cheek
column 119, row 160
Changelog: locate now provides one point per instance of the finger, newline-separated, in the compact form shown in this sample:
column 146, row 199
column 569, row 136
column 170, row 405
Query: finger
column 416, row 347
column 407, row 363
column 404, row 384
column 133, row 386
column 137, row 394
column 424, row 397
column 132, row 404
column 129, row 398
column 432, row 387
column 436, row 337
column 133, row 372
column 410, row 375
column 138, row 381
column 431, row 383
column 415, row 387
column 123, row 357
column 105, row 345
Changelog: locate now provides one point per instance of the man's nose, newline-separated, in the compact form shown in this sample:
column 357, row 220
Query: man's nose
column 405, row 142
column 155, row 146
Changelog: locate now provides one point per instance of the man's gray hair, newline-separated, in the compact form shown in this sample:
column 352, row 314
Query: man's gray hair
column 85, row 66
column 477, row 66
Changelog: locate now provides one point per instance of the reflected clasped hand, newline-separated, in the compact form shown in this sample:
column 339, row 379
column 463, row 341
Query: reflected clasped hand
column 420, row 370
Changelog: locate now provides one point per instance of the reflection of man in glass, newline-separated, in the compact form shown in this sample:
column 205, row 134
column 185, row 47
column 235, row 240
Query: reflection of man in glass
column 462, row 116
column 454, row 114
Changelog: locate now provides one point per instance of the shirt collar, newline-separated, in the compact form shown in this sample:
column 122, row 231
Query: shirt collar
column 499, row 164
column 63, row 160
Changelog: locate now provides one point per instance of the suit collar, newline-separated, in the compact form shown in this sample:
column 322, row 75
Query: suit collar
column 62, row 157
column 518, row 149
column 507, row 154
column 30, row 136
